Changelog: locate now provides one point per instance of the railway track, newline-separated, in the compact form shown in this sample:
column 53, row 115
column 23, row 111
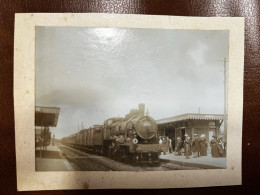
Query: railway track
column 90, row 162
column 85, row 162
column 75, row 154
column 171, row 166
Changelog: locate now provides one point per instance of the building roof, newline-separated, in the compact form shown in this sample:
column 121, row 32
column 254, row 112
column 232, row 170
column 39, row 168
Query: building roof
column 46, row 116
column 190, row 116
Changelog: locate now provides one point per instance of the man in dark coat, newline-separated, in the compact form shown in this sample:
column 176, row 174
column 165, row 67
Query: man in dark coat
column 169, row 143
column 196, row 146
column 221, row 147
column 203, row 145
column 214, row 147
column 187, row 146
column 178, row 146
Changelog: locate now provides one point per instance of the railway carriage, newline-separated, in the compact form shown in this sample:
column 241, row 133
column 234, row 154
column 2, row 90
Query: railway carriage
column 70, row 140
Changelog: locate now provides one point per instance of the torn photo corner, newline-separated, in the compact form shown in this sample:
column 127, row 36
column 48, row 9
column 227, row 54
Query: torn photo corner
column 127, row 101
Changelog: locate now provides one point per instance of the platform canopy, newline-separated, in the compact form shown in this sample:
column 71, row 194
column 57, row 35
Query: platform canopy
column 46, row 116
column 190, row 116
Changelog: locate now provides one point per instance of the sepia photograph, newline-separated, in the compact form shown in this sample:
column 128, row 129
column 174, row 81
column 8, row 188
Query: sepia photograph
column 117, row 101
column 121, row 99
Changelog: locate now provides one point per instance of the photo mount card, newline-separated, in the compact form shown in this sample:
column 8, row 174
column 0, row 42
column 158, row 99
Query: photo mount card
column 79, row 77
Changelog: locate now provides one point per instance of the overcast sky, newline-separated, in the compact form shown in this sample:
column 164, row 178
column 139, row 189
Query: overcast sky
column 96, row 73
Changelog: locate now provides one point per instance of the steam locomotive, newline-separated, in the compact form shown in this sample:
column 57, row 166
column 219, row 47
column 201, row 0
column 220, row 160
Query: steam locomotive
column 133, row 139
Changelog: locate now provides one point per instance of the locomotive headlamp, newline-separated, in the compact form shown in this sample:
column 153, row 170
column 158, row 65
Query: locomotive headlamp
column 135, row 141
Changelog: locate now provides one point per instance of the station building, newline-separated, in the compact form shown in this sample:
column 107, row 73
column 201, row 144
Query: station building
column 178, row 126
column 45, row 117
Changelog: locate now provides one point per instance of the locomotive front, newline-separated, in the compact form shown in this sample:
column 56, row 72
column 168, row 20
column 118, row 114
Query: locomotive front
column 135, row 137
column 145, row 128
column 145, row 141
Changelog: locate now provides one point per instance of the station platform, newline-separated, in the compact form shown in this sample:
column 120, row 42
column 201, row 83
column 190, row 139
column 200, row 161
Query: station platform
column 203, row 162
column 47, row 164
column 51, row 159
column 50, row 148
column 48, row 152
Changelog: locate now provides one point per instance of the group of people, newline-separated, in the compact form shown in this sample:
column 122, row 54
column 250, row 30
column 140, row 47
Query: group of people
column 197, row 147
column 218, row 147
column 167, row 142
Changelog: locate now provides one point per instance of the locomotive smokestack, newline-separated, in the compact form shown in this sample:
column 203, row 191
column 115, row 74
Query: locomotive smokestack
column 141, row 109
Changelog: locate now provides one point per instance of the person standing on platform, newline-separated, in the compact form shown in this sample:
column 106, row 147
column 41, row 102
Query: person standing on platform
column 187, row 146
column 214, row 147
column 196, row 146
column 203, row 145
column 165, row 145
column 178, row 147
column 221, row 147
column 169, row 142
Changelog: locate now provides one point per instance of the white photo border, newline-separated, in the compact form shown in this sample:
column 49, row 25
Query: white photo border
column 24, row 104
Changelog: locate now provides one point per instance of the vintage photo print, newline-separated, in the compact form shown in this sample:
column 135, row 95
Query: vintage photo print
column 108, row 97
column 132, row 98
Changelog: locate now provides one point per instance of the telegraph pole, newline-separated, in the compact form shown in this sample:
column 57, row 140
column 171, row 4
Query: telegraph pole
column 225, row 99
